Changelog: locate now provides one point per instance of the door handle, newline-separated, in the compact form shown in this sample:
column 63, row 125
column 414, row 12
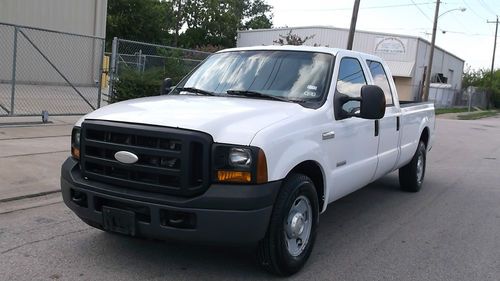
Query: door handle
column 376, row 128
column 328, row 135
column 397, row 123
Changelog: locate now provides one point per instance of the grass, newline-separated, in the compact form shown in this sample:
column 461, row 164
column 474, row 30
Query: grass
column 451, row 110
column 477, row 115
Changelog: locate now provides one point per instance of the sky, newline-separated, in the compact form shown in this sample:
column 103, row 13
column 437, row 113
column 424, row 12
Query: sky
column 465, row 34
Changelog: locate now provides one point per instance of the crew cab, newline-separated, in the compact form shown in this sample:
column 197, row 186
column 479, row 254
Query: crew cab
column 249, row 148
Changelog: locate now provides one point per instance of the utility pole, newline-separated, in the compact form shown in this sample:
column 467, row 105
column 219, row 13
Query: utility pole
column 431, row 54
column 352, row 29
column 494, row 49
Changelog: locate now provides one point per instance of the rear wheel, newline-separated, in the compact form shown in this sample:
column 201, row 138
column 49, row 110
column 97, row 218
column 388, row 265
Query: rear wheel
column 411, row 176
column 292, row 229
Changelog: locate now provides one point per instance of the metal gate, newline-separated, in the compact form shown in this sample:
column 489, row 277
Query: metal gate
column 45, row 70
column 142, row 57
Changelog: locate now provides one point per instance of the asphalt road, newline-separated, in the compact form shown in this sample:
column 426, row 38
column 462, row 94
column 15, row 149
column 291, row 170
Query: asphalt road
column 448, row 231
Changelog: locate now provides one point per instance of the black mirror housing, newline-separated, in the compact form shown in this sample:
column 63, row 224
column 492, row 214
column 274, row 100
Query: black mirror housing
column 372, row 102
column 166, row 86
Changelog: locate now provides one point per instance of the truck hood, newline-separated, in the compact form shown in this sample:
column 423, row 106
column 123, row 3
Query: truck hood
column 227, row 119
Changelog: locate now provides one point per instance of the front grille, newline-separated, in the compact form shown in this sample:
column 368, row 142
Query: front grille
column 170, row 161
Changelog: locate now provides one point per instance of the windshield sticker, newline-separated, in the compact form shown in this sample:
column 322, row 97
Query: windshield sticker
column 311, row 91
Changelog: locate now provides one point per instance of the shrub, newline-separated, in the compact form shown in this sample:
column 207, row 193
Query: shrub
column 135, row 84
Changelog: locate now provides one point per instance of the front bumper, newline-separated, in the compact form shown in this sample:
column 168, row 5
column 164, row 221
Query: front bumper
column 228, row 214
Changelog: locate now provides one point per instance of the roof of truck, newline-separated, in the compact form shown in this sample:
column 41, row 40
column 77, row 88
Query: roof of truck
column 303, row 48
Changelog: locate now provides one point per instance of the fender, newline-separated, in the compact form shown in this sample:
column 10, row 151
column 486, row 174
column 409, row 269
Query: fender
column 281, row 162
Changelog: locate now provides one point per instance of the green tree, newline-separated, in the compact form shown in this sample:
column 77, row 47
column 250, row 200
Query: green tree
column 216, row 22
column 143, row 20
column 482, row 79
column 292, row 39
column 186, row 23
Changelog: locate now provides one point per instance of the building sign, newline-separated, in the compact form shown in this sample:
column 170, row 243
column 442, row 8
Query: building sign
column 390, row 45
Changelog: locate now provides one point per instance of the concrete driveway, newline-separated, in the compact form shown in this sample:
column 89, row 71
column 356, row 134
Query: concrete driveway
column 31, row 154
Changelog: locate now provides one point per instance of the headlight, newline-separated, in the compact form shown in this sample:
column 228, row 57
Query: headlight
column 75, row 143
column 233, row 164
column 240, row 157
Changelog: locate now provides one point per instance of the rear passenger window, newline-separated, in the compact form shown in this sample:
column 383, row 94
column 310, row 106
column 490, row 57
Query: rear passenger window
column 350, row 80
column 380, row 79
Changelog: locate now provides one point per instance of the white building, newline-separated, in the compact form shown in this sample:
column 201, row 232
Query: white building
column 407, row 56
column 72, row 47
column 84, row 17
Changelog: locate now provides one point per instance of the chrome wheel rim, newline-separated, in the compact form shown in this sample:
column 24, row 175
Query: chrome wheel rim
column 420, row 168
column 297, row 228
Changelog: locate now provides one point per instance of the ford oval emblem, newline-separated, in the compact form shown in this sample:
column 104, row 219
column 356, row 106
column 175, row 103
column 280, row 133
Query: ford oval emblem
column 126, row 157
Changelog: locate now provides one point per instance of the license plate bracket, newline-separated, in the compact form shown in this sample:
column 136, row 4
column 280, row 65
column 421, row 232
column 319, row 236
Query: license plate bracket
column 118, row 220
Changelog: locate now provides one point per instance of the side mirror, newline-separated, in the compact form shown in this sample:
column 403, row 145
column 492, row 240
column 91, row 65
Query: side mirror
column 371, row 104
column 166, row 86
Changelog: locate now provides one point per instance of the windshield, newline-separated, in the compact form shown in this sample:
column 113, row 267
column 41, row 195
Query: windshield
column 287, row 75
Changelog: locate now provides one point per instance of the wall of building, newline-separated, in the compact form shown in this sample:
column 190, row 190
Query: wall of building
column 405, row 88
column 86, row 17
column 77, row 57
column 443, row 62
column 366, row 42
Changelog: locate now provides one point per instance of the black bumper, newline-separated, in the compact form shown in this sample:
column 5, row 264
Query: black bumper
column 229, row 214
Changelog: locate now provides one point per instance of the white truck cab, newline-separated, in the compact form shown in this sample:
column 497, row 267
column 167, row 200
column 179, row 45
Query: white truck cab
column 250, row 147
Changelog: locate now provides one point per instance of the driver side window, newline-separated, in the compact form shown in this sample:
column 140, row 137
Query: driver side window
column 350, row 80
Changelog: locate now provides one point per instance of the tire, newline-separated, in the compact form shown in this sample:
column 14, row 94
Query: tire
column 411, row 176
column 285, row 249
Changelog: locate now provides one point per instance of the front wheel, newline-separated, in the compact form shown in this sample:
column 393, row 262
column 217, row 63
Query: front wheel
column 292, row 229
column 411, row 176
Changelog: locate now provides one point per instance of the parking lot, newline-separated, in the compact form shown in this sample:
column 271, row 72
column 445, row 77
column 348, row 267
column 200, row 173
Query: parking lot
column 448, row 231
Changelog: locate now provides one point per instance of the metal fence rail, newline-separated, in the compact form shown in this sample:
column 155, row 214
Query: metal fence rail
column 45, row 70
column 144, row 57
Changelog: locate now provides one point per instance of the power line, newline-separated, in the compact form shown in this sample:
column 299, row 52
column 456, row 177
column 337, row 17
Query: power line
column 422, row 12
column 361, row 8
column 486, row 7
column 472, row 10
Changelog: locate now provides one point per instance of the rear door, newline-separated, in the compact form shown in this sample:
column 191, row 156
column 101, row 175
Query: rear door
column 390, row 125
column 353, row 150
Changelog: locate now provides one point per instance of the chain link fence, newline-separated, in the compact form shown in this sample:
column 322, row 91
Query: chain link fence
column 131, row 59
column 44, row 70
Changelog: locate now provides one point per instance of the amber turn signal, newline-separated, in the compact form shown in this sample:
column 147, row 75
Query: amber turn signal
column 75, row 152
column 234, row 176
column 261, row 167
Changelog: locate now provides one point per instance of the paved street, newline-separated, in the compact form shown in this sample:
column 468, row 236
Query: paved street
column 448, row 231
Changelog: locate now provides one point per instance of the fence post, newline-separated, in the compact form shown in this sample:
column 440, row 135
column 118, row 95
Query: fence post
column 14, row 64
column 100, row 75
column 112, row 66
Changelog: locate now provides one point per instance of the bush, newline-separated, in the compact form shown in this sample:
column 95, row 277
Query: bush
column 134, row 84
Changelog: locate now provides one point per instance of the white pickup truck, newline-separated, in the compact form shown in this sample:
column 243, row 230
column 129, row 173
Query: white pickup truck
column 250, row 147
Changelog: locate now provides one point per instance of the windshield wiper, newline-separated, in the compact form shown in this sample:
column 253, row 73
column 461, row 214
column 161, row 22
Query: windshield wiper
column 255, row 94
column 196, row 91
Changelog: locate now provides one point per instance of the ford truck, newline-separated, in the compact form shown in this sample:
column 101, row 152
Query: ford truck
column 249, row 148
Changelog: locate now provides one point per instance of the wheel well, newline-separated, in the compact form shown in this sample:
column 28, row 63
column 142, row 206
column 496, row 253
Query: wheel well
column 425, row 136
column 313, row 171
